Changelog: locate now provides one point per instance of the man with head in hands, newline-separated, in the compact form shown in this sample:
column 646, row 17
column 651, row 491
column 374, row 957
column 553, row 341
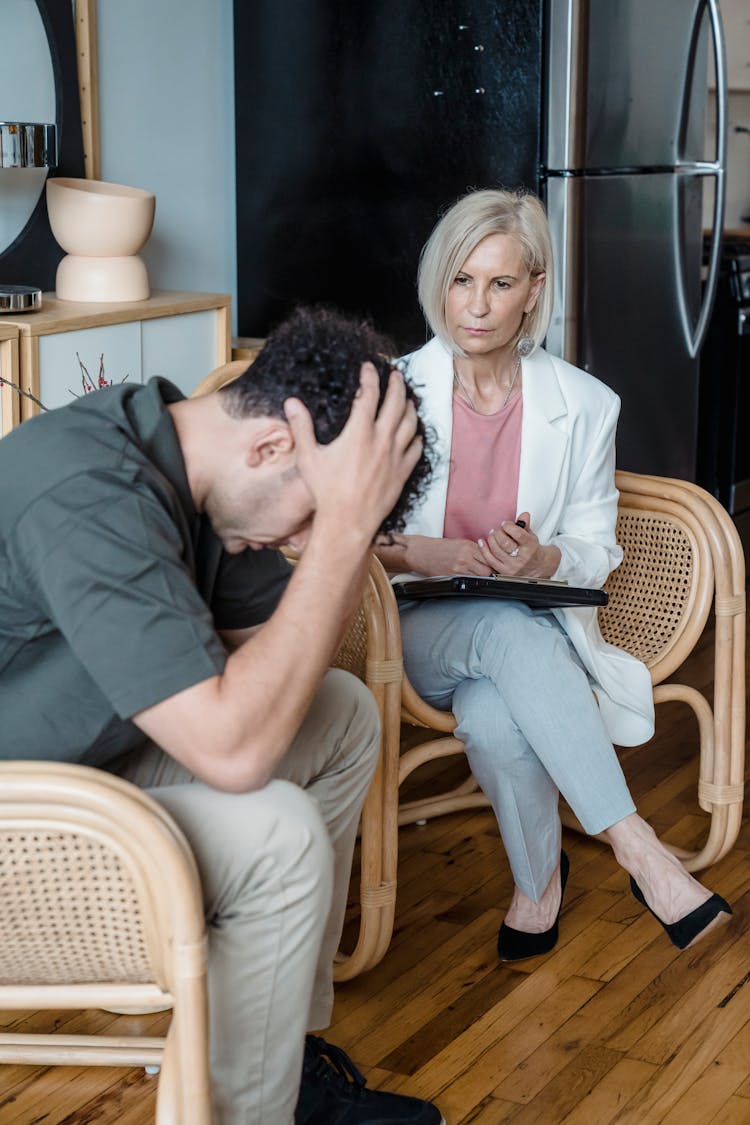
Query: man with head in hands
column 149, row 626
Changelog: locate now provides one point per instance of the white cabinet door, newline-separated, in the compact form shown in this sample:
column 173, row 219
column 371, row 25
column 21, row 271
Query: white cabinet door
column 181, row 348
column 60, row 371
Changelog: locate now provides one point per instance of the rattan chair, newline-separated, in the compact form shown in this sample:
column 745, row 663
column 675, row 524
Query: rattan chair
column 682, row 555
column 100, row 907
column 371, row 651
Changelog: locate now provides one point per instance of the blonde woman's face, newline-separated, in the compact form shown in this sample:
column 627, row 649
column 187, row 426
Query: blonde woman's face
column 489, row 295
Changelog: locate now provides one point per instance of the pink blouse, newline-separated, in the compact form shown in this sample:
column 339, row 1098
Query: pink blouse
column 484, row 467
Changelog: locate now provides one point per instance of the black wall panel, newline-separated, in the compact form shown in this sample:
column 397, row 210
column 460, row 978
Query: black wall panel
column 357, row 123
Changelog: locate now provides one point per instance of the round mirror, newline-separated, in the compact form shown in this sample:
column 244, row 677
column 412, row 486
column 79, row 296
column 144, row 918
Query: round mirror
column 27, row 93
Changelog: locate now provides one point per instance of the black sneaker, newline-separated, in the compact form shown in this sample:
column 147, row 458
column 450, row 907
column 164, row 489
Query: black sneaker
column 333, row 1092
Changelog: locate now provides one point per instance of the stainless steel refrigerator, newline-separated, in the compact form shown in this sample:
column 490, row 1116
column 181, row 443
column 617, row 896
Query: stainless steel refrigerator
column 625, row 175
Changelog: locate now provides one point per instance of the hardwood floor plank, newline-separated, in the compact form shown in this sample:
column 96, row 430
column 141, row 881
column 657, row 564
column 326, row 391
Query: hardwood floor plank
column 646, row 1008
column 744, row 1089
column 611, row 1094
column 85, row 1095
column 569, row 1086
column 483, row 1074
column 704, row 991
column 735, row 1111
column 490, row 1111
column 569, row 1041
column 691, row 1056
column 716, row 1083
column 409, row 1002
column 689, row 988
column 447, row 1024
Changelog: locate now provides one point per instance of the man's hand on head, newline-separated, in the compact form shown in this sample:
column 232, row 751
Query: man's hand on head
column 357, row 478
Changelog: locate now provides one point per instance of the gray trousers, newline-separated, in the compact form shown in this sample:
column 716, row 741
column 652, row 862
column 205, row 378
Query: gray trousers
column 274, row 867
column 527, row 717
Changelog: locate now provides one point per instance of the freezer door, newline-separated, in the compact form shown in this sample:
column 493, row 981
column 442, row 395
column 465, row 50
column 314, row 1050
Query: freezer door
column 632, row 303
column 627, row 83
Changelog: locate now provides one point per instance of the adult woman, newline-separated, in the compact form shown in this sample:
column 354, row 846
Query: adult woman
column 526, row 487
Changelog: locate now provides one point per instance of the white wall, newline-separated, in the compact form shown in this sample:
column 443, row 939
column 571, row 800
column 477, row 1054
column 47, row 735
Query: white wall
column 735, row 15
column 166, row 98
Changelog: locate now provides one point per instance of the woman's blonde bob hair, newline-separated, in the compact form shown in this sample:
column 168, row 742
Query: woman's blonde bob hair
column 472, row 218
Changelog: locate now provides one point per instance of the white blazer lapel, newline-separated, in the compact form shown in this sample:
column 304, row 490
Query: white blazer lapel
column 543, row 445
column 430, row 371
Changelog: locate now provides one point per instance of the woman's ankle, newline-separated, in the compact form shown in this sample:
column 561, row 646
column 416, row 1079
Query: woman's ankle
column 535, row 916
column 634, row 842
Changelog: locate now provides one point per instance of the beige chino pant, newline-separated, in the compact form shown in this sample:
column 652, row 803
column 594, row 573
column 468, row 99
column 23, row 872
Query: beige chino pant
column 275, row 867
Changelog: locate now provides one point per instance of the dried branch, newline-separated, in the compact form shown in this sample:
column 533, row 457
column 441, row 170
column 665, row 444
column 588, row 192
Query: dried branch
column 86, row 381
column 21, row 391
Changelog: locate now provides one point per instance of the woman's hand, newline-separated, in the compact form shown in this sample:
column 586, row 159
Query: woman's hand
column 430, row 556
column 450, row 556
column 515, row 551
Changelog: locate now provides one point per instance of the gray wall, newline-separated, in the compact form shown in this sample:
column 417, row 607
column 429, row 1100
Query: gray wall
column 166, row 97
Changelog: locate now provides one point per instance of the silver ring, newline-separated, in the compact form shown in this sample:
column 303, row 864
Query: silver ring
column 514, row 553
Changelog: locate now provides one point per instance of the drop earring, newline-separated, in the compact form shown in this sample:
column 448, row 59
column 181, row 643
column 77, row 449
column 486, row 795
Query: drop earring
column 525, row 346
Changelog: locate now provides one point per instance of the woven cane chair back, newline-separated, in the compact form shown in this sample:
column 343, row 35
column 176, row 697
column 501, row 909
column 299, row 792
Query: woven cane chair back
column 70, row 910
column 660, row 595
column 352, row 656
column 100, row 906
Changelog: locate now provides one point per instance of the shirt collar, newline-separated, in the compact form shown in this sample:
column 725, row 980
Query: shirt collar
column 156, row 434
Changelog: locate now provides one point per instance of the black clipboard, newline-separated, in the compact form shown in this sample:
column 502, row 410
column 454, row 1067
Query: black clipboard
column 541, row 593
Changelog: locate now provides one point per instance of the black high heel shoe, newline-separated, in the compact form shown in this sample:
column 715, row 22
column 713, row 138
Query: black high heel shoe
column 686, row 929
column 517, row 945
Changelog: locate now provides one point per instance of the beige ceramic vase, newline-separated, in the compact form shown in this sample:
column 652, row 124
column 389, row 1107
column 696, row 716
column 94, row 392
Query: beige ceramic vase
column 101, row 227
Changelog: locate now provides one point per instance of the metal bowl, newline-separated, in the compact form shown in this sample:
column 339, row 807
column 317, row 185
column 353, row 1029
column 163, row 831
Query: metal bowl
column 20, row 298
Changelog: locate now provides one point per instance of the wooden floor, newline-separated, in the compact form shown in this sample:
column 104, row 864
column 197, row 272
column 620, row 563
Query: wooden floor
column 614, row 1026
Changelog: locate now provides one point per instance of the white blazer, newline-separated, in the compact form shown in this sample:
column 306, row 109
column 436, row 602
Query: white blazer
column 566, row 483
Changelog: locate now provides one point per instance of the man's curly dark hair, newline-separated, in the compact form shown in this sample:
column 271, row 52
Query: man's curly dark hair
column 315, row 355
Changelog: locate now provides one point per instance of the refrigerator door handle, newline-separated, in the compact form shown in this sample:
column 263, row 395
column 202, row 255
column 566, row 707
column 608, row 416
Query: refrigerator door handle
column 717, row 168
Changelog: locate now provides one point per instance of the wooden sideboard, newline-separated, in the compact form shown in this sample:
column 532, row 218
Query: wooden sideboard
column 182, row 336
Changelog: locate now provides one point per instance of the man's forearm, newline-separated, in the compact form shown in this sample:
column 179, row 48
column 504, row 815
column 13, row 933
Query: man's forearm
column 232, row 730
column 268, row 683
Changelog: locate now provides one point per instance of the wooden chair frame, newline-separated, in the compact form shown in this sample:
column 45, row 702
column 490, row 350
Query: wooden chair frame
column 80, row 807
column 717, row 577
column 382, row 671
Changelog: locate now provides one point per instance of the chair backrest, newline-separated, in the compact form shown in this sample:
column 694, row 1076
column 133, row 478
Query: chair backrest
column 220, row 376
column 371, row 649
column 97, row 883
column 661, row 594
column 101, row 907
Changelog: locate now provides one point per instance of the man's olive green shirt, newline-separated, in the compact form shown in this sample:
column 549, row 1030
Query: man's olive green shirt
column 112, row 586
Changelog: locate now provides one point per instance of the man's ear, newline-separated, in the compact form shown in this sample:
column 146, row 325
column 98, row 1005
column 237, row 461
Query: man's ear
column 268, row 443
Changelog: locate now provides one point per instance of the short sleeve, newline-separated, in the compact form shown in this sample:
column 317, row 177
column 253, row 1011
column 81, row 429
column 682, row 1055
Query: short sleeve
column 108, row 568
